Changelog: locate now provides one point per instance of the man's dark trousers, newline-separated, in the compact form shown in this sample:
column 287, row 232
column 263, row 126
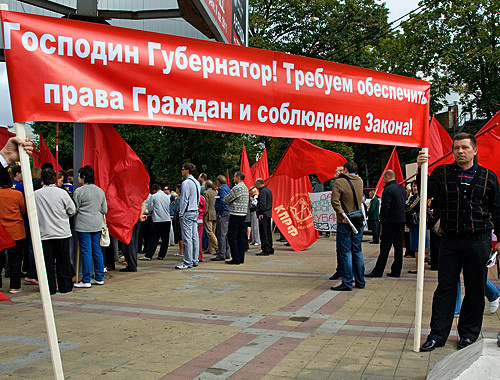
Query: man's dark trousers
column 457, row 253
column 159, row 229
column 392, row 235
column 375, row 227
column 266, row 238
column 236, row 236
column 130, row 250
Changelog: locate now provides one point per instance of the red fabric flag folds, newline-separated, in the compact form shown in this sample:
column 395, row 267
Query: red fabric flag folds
column 488, row 143
column 3, row 297
column 392, row 164
column 261, row 167
column 303, row 158
column 46, row 155
column 292, row 210
column 245, row 168
column 120, row 174
column 440, row 142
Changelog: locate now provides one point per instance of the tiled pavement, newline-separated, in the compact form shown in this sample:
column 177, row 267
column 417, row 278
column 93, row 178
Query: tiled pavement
column 273, row 318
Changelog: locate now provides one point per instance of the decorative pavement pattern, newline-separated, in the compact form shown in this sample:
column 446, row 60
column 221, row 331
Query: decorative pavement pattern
column 273, row 318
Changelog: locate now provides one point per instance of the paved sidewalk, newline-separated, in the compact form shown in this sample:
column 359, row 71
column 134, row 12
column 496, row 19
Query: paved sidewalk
column 273, row 318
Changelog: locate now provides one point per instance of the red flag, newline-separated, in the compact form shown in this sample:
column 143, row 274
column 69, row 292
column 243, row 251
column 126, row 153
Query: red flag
column 292, row 211
column 488, row 143
column 261, row 167
column 227, row 177
column 392, row 164
column 302, row 158
column 46, row 155
column 3, row 297
column 440, row 142
column 5, row 135
column 245, row 168
column 5, row 239
column 120, row 174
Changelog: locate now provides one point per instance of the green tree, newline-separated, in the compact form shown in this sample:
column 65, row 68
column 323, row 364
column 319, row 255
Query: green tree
column 455, row 45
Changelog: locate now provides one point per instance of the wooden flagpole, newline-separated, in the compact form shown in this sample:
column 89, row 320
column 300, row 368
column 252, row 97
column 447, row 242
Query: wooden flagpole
column 422, row 231
column 39, row 259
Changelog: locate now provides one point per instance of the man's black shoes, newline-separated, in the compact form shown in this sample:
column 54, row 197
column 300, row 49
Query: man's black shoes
column 233, row 262
column 262, row 254
column 430, row 345
column 393, row 275
column 372, row 275
column 341, row 288
column 334, row 276
column 464, row 342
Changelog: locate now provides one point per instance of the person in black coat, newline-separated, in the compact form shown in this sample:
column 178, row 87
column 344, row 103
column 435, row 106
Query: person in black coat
column 264, row 214
column 392, row 218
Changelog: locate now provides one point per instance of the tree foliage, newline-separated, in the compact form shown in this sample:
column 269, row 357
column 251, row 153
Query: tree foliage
column 455, row 45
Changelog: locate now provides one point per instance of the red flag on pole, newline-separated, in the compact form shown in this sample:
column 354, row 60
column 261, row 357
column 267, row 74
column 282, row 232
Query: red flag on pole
column 227, row 177
column 245, row 168
column 120, row 174
column 46, row 155
column 6, row 240
column 440, row 142
column 292, row 210
column 261, row 168
column 392, row 164
column 303, row 158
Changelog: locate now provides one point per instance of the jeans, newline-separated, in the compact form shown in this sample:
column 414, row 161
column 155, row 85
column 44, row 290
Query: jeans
column 491, row 292
column 221, row 230
column 91, row 251
column 350, row 256
column 189, row 227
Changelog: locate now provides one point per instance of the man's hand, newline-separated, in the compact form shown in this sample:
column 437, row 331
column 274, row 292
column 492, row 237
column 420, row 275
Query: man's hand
column 261, row 217
column 497, row 248
column 10, row 151
column 422, row 158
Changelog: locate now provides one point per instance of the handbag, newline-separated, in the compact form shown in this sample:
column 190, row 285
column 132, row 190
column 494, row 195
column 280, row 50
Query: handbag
column 357, row 217
column 104, row 233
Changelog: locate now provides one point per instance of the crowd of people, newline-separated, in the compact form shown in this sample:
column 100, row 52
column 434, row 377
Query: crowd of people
column 213, row 219
column 207, row 219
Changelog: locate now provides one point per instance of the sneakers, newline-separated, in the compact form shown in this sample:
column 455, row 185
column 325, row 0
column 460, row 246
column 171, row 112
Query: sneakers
column 145, row 258
column 82, row 285
column 95, row 282
column 14, row 291
column 183, row 266
column 494, row 305
column 64, row 294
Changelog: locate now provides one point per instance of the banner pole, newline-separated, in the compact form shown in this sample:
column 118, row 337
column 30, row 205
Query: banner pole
column 422, row 231
column 39, row 259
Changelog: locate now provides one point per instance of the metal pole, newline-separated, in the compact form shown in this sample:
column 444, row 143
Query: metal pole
column 422, row 231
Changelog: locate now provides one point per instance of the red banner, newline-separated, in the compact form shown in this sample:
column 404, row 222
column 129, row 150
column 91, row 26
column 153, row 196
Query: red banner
column 74, row 71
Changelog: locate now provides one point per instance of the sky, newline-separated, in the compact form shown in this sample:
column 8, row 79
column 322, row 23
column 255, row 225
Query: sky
column 397, row 9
